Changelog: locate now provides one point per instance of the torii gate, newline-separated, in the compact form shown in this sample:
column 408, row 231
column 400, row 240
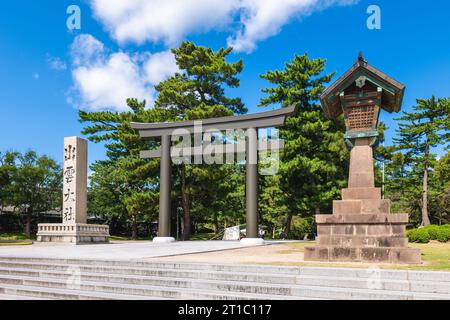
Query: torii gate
column 250, row 122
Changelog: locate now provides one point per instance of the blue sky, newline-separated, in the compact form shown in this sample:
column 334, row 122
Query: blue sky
column 48, row 72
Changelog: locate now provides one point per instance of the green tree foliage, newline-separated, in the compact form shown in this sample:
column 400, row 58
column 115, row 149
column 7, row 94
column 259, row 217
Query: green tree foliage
column 419, row 132
column 35, row 186
column 440, row 195
column 7, row 172
column 314, row 162
column 272, row 205
column 123, row 182
column 197, row 91
column 219, row 196
column 105, row 198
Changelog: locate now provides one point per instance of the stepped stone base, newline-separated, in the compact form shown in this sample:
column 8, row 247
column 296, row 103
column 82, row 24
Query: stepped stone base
column 362, row 227
column 363, row 254
column 366, row 237
column 74, row 233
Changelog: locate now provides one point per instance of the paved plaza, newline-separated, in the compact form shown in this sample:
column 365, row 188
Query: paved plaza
column 119, row 250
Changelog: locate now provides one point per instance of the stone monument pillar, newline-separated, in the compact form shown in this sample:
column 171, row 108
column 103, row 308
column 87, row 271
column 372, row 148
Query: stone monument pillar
column 75, row 181
column 362, row 227
column 74, row 227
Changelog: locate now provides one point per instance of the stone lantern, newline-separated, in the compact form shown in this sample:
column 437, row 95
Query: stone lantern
column 361, row 227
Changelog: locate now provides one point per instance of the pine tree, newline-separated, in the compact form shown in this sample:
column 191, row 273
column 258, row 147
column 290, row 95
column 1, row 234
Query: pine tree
column 134, row 180
column 419, row 132
column 314, row 162
column 197, row 92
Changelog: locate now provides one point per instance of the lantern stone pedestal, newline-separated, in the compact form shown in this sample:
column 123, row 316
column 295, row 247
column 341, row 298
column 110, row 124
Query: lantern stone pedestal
column 361, row 227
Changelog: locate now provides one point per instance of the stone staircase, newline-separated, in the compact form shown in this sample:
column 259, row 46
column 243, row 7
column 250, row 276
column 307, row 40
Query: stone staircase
column 39, row 278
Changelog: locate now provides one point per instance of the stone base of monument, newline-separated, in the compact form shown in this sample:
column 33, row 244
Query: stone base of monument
column 362, row 228
column 73, row 233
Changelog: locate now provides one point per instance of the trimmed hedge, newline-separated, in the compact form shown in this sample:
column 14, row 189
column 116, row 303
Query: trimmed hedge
column 418, row 235
column 433, row 232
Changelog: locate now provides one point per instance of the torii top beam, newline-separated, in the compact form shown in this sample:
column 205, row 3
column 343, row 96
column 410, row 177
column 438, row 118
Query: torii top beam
column 266, row 119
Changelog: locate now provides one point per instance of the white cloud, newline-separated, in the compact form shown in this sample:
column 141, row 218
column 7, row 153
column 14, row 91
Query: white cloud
column 56, row 63
column 169, row 21
column 160, row 66
column 86, row 50
column 105, row 80
column 161, row 20
column 261, row 19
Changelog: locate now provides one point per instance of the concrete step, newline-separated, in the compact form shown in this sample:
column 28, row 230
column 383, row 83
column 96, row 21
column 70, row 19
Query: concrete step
column 189, row 280
column 161, row 265
column 60, row 279
column 223, row 290
column 376, row 283
column 142, row 290
column 157, row 280
column 365, row 294
column 42, row 293
column 17, row 297
column 49, row 270
column 385, row 274
column 165, row 280
column 282, row 274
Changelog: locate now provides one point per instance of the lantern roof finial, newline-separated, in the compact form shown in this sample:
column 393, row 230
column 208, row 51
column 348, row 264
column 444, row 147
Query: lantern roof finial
column 361, row 59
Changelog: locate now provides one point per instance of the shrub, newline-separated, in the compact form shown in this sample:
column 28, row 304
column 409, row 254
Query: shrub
column 443, row 235
column 432, row 232
column 418, row 235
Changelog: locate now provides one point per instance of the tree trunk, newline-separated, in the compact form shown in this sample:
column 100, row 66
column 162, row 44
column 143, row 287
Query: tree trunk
column 28, row 223
column 425, row 217
column 134, row 232
column 185, row 204
column 287, row 225
column 215, row 224
column 113, row 226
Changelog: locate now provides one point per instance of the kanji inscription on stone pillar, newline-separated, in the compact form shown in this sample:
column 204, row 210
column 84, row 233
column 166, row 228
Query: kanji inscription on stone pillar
column 74, row 180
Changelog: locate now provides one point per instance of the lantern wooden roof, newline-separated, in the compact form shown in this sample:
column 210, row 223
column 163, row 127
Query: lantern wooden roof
column 392, row 90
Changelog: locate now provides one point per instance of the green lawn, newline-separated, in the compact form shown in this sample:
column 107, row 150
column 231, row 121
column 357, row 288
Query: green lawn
column 12, row 236
column 121, row 238
column 15, row 243
column 13, row 239
column 435, row 256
